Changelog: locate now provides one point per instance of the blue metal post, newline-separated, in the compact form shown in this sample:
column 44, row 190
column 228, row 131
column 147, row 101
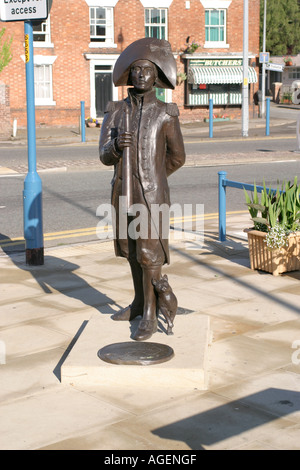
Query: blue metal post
column 82, row 103
column 211, row 118
column 222, row 205
column 32, row 193
column 268, row 116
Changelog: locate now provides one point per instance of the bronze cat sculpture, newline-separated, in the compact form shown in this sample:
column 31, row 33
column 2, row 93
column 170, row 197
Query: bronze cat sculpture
column 166, row 301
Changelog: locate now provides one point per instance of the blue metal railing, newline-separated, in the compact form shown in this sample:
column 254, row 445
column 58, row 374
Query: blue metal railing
column 223, row 184
column 211, row 117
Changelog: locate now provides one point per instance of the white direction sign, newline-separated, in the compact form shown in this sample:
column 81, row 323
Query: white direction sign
column 22, row 10
column 274, row 67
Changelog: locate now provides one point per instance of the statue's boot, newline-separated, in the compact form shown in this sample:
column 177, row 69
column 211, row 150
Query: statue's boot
column 148, row 324
column 136, row 307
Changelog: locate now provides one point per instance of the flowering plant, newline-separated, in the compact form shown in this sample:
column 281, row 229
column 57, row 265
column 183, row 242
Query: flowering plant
column 192, row 47
column 277, row 212
column 90, row 120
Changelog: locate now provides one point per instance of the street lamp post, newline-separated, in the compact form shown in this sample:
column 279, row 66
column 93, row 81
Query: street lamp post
column 245, row 88
column 263, row 82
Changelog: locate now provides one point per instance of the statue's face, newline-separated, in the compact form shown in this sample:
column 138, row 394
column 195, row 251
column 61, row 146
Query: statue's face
column 143, row 75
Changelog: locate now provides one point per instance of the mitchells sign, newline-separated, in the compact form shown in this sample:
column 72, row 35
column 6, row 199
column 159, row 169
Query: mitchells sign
column 22, row 10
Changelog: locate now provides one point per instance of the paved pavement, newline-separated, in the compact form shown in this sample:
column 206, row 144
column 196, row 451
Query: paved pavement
column 252, row 399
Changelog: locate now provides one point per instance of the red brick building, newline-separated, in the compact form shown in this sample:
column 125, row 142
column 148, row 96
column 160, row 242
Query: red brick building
column 76, row 48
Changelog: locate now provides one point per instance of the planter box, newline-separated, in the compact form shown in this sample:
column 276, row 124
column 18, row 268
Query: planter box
column 273, row 261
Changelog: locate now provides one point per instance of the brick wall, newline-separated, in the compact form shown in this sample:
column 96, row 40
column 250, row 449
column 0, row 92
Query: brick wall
column 71, row 69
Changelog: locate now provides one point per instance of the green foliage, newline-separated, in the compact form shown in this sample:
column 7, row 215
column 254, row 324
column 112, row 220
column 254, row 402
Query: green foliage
column 282, row 26
column 276, row 212
column 5, row 50
column 280, row 207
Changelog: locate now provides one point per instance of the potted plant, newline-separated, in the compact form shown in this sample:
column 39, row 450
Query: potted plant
column 192, row 47
column 90, row 122
column 274, row 241
column 288, row 61
column 287, row 97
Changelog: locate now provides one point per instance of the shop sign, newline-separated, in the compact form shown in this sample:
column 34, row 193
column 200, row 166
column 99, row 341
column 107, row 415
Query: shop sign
column 216, row 62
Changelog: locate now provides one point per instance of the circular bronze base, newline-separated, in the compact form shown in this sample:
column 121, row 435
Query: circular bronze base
column 134, row 353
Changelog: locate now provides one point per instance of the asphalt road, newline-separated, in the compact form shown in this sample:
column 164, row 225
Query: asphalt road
column 59, row 156
column 70, row 199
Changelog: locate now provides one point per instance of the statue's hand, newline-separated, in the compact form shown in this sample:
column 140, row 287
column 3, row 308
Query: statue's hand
column 124, row 140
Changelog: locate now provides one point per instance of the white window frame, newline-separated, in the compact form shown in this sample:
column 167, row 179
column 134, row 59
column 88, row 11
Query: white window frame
column 109, row 27
column 217, row 5
column 47, row 42
column 294, row 74
column 159, row 25
column 47, row 61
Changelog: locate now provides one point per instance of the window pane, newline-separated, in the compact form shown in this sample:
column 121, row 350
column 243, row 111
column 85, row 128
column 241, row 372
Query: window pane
column 155, row 32
column 206, row 34
column 46, row 73
column 222, row 17
column 214, row 34
column 42, row 81
column 222, row 38
column 155, row 16
column 100, row 13
column 100, row 31
column 214, row 17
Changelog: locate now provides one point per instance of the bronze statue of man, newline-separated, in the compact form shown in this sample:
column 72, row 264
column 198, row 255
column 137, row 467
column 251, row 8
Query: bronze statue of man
column 147, row 153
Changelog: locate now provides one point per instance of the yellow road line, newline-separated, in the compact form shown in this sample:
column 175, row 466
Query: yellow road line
column 83, row 232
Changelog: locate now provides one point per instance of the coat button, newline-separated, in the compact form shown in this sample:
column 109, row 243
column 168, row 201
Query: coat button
column 150, row 186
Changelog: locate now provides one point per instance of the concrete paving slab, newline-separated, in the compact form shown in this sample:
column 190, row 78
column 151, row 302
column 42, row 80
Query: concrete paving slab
column 203, row 421
column 41, row 419
column 243, row 356
column 187, row 369
column 276, row 392
column 28, row 339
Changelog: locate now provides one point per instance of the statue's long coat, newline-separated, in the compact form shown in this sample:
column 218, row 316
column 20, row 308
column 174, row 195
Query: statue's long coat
column 157, row 152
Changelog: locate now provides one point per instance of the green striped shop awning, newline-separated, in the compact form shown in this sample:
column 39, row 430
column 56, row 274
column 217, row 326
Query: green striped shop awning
column 220, row 75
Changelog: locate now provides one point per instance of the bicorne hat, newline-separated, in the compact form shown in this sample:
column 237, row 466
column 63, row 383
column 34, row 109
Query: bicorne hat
column 155, row 50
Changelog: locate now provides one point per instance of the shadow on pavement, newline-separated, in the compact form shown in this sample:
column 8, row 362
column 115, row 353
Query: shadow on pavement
column 59, row 275
column 232, row 419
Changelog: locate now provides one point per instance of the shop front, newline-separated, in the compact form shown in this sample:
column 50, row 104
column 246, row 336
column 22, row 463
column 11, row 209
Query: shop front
column 219, row 79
